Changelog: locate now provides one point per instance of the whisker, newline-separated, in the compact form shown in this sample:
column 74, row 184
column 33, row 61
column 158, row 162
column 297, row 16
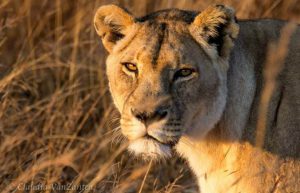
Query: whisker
column 126, row 116
column 125, row 119
column 129, row 124
column 172, row 130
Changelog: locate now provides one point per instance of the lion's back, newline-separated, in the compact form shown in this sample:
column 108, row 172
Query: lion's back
column 283, row 120
column 286, row 124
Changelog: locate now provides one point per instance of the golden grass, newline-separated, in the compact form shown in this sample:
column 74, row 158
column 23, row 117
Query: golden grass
column 57, row 121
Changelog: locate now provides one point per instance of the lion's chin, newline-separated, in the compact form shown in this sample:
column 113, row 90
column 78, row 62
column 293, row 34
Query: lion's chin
column 150, row 148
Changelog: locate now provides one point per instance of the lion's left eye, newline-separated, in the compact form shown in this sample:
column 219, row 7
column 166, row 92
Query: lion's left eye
column 185, row 72
column 130, row 67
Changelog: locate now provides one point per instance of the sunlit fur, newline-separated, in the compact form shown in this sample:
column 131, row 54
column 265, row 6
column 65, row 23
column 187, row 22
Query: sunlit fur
column 211, row 113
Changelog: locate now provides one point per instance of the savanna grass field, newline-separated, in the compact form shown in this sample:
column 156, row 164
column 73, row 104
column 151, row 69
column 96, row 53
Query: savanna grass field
column 59, row 131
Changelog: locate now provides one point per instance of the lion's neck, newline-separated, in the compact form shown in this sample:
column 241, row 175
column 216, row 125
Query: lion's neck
column 224, row 166
column 213, row 163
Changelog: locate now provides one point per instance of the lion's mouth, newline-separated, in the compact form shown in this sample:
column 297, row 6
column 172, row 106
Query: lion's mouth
column 151, row 147
column 149, row 137
column 168, row 143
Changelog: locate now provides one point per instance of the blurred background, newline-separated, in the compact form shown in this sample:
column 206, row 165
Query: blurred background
column 57, row 121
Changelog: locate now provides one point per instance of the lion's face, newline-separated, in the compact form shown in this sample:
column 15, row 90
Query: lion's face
column 163, row 82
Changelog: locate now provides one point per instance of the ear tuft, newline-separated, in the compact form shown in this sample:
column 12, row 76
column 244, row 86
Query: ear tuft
column 111, row 22
column 216, row 27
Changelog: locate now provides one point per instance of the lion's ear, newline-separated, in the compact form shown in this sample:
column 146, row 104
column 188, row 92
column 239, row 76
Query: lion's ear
column 111, row 23
column 216, row 28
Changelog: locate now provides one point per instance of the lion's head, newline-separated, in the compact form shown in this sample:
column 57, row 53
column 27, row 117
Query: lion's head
column 167, row 72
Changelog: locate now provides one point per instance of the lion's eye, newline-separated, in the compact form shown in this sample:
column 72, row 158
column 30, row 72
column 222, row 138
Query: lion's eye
column 185, row 72
column 130, row 67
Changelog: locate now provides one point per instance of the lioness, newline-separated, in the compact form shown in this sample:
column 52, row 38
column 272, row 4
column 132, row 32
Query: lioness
column 191, row 82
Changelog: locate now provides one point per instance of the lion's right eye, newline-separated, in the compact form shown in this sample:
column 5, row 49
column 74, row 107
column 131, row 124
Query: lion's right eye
column 130, row 67
column 183, row 73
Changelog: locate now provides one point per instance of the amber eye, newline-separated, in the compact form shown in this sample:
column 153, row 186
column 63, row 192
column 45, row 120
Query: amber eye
column 185, row 72
column 130, row 67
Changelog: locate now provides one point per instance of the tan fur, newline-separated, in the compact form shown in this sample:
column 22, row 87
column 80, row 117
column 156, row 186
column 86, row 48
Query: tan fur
column 211, row 18
column 208, row 116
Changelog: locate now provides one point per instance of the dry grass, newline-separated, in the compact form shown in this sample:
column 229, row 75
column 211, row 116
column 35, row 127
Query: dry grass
column 57, row 120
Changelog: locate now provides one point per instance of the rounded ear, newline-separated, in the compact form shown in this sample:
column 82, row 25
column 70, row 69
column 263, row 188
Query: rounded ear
column 216, row 28
column 111, row 22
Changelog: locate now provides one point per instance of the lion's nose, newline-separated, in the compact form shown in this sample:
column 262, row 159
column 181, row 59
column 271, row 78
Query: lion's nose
column 149, row 117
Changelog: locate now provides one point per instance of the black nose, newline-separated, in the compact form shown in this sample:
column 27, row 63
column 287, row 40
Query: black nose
column 149, row 117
